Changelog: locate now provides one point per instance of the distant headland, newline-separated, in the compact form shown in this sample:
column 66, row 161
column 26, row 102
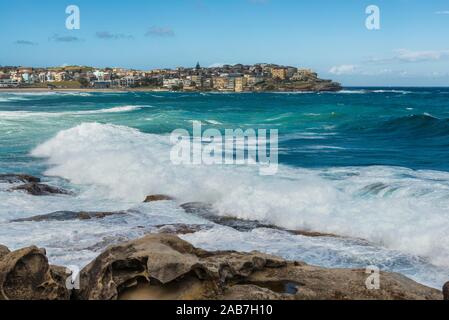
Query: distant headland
column 261, row 77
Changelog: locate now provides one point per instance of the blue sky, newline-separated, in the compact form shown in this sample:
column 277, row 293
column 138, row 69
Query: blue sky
column 411, row 48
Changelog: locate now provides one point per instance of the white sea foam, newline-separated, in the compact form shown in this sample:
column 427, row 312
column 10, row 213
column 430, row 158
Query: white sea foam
column 321, row 147
column 112, row 110
column 279, row 117
column 392, row 91
column 398, row 208
column 213, row 122
column 13, row 98
column 58, row 93
column 294, row 92
column 30, row 114
column 77, row 242
column 364, row 91
column 305, row 136
column 351, row 91
column 312, row 114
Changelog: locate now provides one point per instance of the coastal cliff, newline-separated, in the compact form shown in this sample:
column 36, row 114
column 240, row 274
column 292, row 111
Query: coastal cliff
column 313, row 85
column 162, row 266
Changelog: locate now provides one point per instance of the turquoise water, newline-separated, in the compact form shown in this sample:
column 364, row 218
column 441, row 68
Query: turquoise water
column 362, row 163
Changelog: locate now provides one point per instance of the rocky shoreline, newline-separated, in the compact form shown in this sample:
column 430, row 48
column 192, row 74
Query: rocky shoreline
column 163, row 266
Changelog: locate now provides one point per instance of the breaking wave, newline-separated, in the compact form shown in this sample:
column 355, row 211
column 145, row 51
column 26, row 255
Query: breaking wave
column 365, row 91
column 397, row 208
column 28, row 114
column 113, row 110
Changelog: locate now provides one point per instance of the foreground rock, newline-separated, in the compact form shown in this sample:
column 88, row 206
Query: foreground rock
column 162, row 266
column 39, row 189
column 18, row 178
column 69, row 215
column 165, row 267
column 26, row 275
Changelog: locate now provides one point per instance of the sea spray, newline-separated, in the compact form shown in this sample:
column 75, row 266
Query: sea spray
column 236, row 147
column 130, row 165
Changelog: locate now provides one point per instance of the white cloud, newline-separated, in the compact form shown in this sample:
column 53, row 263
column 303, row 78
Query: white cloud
column 217, row 65
column 344, row 69
column 26, row 42
column 405, row 55
column 351, row 69
column 58, row 38
column 416, row 56
column 373, row 71
column 160, row 32
column 442, row 12
column 109, row 36
column 439, row 74
column 220, row 64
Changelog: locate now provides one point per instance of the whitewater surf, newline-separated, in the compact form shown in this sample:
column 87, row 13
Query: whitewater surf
column 355, row 169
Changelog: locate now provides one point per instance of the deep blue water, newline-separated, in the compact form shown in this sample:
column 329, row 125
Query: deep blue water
column 406, row 127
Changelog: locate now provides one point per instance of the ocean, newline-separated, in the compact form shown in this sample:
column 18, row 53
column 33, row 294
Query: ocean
column 367, row 164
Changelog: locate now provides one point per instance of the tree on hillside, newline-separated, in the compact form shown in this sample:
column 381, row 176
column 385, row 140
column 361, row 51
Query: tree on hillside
column 84, row 82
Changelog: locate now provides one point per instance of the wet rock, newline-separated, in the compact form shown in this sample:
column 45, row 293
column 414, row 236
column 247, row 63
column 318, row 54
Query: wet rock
column 26, row 275
column 279, row 286
column 251, row 292
column 312, row 234
column 69, row 215
column 189, row 288
column 105, row 242
column 157, row 197
column 18, row 178
column 208, row 212
column 39, row 189
column 446, row 291
column 199, row 208
column 162, row 266
column 180, row 228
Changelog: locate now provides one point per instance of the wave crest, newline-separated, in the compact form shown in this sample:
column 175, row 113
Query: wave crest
column 30, row 114
column 401, row 214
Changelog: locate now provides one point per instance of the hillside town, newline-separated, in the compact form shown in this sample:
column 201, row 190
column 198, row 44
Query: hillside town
column 225, row 78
